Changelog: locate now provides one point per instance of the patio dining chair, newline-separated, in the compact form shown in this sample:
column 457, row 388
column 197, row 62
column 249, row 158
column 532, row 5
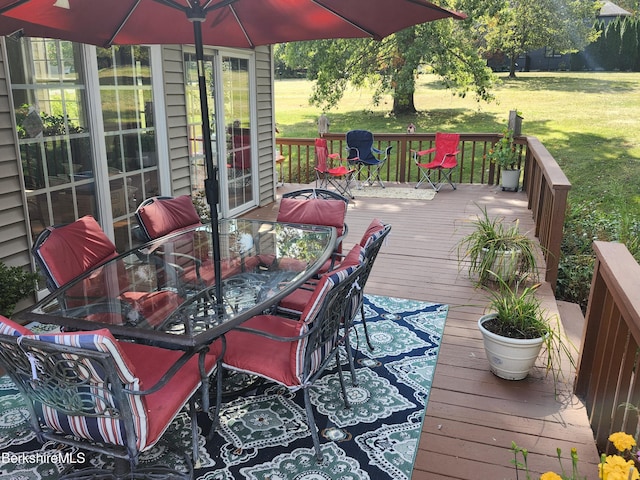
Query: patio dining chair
column 367, row 159
column 316, row 206
column 339, row 177
column 160, row 216
column 92, row 392
column 66, row 252
column 445, row 159
column 298, row 351
column 371, row 241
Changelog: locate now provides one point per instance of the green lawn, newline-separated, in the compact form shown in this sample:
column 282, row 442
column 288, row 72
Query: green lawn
column 590, row 122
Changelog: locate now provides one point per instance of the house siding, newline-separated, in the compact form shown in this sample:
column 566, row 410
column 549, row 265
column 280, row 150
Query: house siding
column 176, row 117
column 266, row 124
column 14, row 245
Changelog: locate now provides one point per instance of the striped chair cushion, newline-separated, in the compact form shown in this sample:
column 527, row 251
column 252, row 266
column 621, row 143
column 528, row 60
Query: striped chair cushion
column 9, row 327
column 373, row 232
column 285, row 366
column 104, row 428
column 296, row 302
column 327, row 282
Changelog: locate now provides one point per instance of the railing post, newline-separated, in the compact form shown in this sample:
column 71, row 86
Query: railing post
column 606, row 376
column 402, row 157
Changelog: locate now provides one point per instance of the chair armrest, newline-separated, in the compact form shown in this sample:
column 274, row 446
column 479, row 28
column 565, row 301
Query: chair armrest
column 271, row 336
column 424, row 152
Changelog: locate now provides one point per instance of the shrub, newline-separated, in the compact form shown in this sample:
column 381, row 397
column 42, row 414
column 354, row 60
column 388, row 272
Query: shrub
column 15, row 284
column 583, row 225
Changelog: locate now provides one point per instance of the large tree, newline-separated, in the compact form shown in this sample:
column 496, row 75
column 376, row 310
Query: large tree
column 515, row 27
column 444, row 47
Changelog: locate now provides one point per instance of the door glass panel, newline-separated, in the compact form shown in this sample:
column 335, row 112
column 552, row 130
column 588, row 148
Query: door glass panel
column 194, row 120
column 127, row 107
column 237, row 112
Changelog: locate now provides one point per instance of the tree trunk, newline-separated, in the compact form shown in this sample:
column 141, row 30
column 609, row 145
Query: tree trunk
column 512, row 66
column 403, row 105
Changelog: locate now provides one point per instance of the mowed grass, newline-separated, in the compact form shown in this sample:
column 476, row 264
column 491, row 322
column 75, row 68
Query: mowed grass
column 590, row 122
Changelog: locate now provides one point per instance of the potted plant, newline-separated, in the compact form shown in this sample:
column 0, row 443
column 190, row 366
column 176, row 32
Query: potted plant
column 495, row 248
column 516, row 328
column 15, row 284
column 503, row 154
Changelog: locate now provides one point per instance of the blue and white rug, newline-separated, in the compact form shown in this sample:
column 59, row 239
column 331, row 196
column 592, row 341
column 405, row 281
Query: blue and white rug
column 265, row 436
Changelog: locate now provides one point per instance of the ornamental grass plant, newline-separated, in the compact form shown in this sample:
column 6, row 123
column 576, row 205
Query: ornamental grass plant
column 521, row 315
column 496, row 247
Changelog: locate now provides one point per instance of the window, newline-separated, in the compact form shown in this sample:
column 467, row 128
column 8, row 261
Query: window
column 49, row 95
column 124, row 74
column 57, row 146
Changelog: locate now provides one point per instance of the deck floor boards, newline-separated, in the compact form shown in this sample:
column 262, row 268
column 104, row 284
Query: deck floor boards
column 472, row 416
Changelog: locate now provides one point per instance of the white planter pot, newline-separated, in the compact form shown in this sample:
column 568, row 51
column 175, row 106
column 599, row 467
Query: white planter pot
column 509, row 358
column 505, row 265
column 510, row 179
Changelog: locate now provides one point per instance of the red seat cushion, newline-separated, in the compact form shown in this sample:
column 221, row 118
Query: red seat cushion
column 155, row 306
column 164, row 216
column 139, row 367
column 73, row 249
column 242, row 347
column 151, row 364
column 374, row 227
column 314, row 211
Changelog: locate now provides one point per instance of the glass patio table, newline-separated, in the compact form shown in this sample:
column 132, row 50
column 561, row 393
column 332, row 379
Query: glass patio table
column 164, row 291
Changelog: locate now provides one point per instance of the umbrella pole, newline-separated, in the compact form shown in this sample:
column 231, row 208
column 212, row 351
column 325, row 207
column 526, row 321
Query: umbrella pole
column 211, row 185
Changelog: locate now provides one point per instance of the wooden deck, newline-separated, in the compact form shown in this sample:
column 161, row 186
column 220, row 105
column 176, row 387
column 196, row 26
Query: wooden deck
column 472, row 416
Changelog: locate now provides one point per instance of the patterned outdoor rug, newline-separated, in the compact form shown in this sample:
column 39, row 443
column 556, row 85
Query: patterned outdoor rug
column 264, row 435
column 425, row 192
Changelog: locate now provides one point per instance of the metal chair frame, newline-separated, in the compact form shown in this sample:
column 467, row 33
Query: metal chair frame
column 324, row 329
column 368, row 159
column 338, row 177
column 371, row 253
column 59, row 382
column 444, row 166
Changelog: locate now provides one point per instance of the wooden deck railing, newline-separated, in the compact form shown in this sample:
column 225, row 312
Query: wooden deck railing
column 607, row 375
column 546, row 185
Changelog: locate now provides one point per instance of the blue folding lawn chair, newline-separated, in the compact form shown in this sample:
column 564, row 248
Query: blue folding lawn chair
column 366, row 159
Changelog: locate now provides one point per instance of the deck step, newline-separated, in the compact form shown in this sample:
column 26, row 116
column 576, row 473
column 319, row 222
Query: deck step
column 572, row 321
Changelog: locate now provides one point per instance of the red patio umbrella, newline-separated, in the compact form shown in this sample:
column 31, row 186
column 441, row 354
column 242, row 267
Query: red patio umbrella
column 229, row 23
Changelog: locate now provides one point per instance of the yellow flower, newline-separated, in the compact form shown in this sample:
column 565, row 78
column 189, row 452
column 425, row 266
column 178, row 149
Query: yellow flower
column 622, row 441
column 550, row 476
column 617, row 468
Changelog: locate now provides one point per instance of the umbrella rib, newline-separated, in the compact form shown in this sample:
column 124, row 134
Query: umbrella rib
column 215, row 6
column 122, row 23
column 431, row 6
column 246, row 34
column 349, row 21
column 12, row 6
